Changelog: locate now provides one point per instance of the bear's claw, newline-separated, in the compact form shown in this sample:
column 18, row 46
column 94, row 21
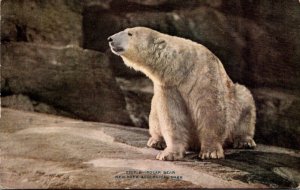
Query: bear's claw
column 157, row 144
column 244, row 143
column 169, row 156
column 211, row 153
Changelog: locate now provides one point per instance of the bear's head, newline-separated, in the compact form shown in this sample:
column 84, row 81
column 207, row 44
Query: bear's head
column 145, row 50
column 136, row 44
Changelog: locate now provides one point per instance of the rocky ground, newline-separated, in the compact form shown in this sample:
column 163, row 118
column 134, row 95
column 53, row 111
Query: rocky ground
column 45, row 151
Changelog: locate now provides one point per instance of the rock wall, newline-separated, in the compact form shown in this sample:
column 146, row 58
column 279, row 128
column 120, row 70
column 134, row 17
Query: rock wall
column 43, row 64
column 56, row 22
column 257, row 41
column 77, row 81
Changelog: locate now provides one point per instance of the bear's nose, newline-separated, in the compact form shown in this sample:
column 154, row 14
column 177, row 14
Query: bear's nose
column 109, row 39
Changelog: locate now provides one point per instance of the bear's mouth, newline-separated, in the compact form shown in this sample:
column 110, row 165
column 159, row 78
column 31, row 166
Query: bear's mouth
column 115, row 49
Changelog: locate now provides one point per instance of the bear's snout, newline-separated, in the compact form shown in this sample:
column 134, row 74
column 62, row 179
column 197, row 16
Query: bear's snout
column 118, row 42
column 109, row 39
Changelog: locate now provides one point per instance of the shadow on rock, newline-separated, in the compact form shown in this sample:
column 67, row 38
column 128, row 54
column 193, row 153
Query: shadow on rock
column 275, row 169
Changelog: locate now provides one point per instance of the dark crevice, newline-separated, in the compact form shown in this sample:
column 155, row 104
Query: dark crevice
column 21, row 33
column 246, row 76
column 61, row 110
column 125, row 6
column 5, row 90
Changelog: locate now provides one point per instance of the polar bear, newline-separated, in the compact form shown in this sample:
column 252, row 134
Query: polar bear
column 195, row 104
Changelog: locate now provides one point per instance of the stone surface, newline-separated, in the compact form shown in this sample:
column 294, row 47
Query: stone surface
column 56, row 22
column 277, row 118
column 19, row 102
column 138, row 94
column 68, row 78
column 24, row 103
column 42, row 151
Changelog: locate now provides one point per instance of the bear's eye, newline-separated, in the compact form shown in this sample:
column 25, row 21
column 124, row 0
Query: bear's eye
column 129, row 34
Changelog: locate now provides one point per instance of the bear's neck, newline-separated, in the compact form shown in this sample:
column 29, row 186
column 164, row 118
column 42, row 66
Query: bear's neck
column 144, row 68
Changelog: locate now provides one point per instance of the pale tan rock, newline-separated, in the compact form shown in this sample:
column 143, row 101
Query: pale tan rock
column 45, row 151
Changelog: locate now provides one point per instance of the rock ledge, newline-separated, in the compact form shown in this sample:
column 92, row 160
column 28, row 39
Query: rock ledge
column 45, row 151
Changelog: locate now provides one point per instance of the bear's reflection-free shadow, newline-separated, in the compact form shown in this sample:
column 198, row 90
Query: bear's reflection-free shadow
column 260, row 166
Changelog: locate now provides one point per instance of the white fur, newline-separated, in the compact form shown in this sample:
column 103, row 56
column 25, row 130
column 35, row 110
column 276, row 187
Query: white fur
column 195, row 103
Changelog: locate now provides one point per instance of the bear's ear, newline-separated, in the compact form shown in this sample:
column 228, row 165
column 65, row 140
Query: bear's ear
column 160, row 43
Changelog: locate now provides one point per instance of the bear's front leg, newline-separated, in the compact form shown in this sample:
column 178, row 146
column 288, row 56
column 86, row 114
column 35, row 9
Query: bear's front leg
column 211, row 150
column 156, row 140
column 174, row 122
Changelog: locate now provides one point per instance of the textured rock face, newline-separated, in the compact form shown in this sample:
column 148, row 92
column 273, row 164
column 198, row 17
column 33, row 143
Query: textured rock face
column 42, row 151
column 55, row 22
column 71, row 79
column 277, row 118
column 25, row 103
column 19, row 102
column 138, row 95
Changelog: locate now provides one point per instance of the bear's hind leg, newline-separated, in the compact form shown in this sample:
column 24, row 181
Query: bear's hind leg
column 211, row 135
column 244, row 131
column 156, row 140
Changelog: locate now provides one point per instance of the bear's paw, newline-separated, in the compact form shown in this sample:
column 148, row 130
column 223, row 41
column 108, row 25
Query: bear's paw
column 244, row 143
column 212, row 152
column 169, row 156
column 157, row 144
